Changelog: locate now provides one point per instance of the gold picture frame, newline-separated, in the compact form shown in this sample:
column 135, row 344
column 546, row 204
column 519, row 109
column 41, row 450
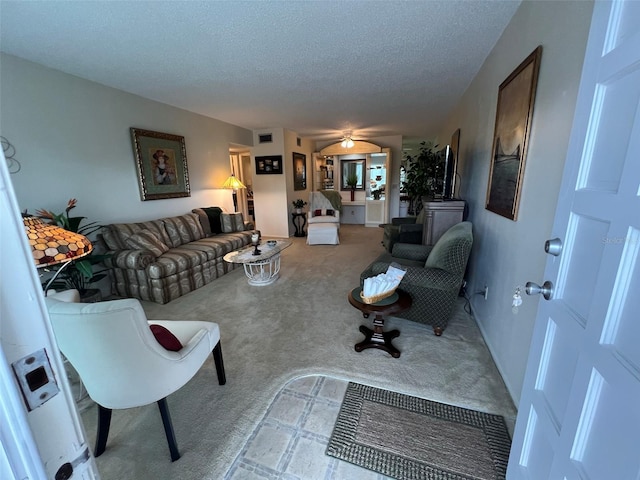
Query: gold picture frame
column 161, row 162
column 516, row 97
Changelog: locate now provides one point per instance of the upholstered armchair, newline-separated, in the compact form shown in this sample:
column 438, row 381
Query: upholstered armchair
column 319, row 203
column 403, row 230
column 122, row 363
column 434, row 274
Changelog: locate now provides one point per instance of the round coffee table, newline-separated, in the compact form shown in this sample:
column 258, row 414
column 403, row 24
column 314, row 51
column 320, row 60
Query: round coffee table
column 377, row 338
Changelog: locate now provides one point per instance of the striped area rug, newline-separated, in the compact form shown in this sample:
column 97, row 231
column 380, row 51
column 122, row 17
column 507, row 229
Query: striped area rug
column 412, row 438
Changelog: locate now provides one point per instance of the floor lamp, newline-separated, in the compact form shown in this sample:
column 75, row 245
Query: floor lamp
column 233, row 183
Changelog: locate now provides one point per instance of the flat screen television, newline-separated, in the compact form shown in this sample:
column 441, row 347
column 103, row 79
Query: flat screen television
column 449, row 173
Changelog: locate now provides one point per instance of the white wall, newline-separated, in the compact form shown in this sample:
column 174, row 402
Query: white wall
column 506, row 253
column 270, row 190
column 73, row 141
column 305, row 148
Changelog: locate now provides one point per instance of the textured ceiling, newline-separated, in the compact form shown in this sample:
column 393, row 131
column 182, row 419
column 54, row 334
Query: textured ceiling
column 315, row 67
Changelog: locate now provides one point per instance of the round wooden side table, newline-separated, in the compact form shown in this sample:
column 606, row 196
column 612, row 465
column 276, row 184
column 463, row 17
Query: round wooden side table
column 378, row 338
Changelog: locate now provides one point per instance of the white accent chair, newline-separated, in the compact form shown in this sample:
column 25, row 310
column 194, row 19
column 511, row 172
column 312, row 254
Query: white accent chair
column 121, row 363
column 322, row 229
column 317, row 201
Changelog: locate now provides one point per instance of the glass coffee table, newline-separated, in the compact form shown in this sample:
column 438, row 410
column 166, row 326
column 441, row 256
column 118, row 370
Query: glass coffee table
column 261, row 269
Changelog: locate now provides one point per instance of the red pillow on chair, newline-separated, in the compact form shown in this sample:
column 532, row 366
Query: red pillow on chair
column 165, row 338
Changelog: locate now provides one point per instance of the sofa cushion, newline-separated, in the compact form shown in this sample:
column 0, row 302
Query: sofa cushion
column 319, row 212
column 232, row 222
column 165, row 338
column 209, row 220
column 177, row 260
column 183, row 229
column 115, row 235
column 147, row 240
column 446, row 253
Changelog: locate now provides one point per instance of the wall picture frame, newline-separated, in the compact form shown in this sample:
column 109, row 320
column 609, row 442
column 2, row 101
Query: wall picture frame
column 269, row 164
column 299, row 171
column 161, row 163
column 516, row 98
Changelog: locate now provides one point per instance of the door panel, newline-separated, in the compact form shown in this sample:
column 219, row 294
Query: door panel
column 579, row 416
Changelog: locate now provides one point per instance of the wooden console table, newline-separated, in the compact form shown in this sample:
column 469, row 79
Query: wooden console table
column 439, row 217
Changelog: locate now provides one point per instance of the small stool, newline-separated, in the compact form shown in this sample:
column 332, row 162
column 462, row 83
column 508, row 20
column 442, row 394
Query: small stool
column 322, row 234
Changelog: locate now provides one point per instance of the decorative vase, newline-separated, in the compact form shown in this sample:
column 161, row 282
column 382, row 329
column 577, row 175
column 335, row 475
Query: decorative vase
column 298, row 210
column 353, row 195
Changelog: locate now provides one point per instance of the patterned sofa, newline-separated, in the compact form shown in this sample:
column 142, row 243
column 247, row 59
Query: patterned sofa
column 161, row 260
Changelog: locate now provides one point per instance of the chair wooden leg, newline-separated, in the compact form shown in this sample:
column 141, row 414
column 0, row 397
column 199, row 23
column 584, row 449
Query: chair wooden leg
column 168, row 429
column 217, row 358
column 104, row 422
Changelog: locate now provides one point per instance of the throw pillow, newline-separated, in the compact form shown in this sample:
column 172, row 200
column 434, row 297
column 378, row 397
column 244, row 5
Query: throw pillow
column 317, row 212
column 330, row 213
column 165, row 338
column 232, row 222
column 147, row 240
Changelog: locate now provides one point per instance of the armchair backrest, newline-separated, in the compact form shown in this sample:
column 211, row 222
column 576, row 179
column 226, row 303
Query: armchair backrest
column 113, row 349
column 451, row 251
column 318, row 201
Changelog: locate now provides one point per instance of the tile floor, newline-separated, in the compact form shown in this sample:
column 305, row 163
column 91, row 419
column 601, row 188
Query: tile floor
column 290, row 441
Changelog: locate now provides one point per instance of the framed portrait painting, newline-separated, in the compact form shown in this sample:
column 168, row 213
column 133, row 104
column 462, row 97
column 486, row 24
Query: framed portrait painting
column 299, row 171
column 161, row 161
column 516, row 97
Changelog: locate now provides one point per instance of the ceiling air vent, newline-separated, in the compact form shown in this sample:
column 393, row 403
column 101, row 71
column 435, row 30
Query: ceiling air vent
column 265, row 138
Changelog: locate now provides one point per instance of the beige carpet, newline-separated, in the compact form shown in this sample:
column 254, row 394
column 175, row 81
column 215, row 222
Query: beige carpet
column 300, row 325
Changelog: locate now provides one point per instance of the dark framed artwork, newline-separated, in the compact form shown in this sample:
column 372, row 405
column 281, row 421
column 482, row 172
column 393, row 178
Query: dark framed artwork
column 161, row 162
column 516, row 97
column 299, row 171
column 269, row 164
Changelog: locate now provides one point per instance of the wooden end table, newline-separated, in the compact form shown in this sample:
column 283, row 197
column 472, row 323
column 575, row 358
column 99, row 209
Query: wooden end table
column 377, row 338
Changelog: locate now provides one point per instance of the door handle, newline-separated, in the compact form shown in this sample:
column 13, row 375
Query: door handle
column 546, row 289
column 553, row 246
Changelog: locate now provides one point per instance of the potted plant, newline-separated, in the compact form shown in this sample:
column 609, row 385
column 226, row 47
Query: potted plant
column 423, row 172
column 352, row 183
column 78, row 275
column 298, row 204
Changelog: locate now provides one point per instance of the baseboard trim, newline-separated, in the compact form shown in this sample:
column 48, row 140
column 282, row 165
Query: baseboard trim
column 493, row 356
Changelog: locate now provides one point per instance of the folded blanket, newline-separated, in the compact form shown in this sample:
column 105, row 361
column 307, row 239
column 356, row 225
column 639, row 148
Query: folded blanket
column 213, row 213
column 333, row 197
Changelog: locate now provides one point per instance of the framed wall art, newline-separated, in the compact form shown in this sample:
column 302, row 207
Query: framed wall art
column 516, row 97
column 299, row 171
column 161, row 161
column 269, row 164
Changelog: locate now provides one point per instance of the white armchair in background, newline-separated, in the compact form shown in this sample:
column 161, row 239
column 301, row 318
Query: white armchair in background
column 119, row 360
column 317, row 201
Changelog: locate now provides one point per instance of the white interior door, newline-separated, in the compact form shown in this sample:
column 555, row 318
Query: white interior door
column 579, row 416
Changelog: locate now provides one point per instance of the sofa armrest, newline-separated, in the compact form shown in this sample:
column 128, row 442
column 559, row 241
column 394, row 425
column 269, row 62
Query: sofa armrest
column 433, row 278
column 410, row 228
column 133, row 259
column 403, row 220
column 412, row 251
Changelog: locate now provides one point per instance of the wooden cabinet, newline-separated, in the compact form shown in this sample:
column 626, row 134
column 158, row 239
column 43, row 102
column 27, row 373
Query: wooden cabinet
column 439, row 217
column 374, row 212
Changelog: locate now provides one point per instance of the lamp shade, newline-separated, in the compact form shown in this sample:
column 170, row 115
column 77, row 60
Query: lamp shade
column 51, row 244
column 233, row 182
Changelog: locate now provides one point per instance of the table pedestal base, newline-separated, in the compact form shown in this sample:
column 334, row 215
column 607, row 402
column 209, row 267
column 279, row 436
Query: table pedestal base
column 263, row 272
column 376, row 338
